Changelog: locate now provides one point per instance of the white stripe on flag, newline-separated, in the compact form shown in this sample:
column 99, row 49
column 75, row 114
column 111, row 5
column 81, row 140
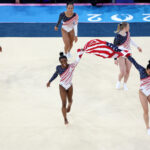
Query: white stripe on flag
column 89, row 47
column 102, row 54
column 101, row 49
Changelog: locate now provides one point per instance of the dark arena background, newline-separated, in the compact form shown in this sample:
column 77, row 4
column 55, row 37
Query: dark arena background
column 38, row 20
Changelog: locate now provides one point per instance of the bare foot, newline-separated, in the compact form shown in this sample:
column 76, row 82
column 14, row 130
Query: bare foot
column 66, row 122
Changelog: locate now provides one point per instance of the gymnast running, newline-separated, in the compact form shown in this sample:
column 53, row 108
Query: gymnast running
column 65, row 71
column 69, row 28
column 123, row 41
column 144, row 91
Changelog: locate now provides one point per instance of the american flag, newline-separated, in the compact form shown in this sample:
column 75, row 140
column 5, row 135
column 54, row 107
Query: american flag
column 104, row 49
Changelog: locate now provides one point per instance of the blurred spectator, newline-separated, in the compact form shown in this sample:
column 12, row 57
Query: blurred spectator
column 44, row 1
column 7, row 1
column 93, row 2
column 124, row 1
column 37, row 1
column 17, row 1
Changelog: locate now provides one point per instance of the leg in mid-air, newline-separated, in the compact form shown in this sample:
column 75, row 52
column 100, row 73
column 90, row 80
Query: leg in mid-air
column 122, row 67
column 66, row 39
column 144, row 101
column 72, row 36
column 69, row 95
column 63, row 95
column 127, row 73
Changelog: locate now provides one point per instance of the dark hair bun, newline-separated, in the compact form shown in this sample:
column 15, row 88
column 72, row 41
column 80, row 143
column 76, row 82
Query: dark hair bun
column 69, row 3
column 61, row 54
column 149, row 61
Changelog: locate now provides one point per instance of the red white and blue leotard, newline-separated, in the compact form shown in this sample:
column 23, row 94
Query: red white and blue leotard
column 123, row 42
column 145, row 78
column 69, row 23
column 67, row 73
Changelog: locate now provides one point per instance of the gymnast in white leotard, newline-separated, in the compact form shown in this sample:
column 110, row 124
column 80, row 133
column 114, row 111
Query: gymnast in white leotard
column 69, row 28
column 144, row 92
column 123, row 41
column 65, row 71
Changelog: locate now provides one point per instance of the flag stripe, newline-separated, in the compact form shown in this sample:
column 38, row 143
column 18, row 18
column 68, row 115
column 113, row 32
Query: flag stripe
column 103, row 49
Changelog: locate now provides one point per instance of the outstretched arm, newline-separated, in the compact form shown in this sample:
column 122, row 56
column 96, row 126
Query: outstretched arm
column 52, row 78
column 135, row 45
column 133, row 61
column 59, row 21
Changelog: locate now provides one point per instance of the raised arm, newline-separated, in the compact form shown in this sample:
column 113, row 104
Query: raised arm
column 135, row 45
column 80, row 53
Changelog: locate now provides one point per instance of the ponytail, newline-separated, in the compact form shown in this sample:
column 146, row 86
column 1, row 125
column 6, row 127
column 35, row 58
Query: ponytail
column 148, row 66
column 70, row 3
column 118, row 28
column 121, row 26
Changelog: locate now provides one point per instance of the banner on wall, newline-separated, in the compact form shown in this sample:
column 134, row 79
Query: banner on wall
column 93, row 14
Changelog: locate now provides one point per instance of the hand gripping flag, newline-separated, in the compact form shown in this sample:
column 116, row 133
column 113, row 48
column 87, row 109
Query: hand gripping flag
column 80, row 53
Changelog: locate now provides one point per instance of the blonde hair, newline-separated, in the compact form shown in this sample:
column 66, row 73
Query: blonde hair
column 121, row 26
